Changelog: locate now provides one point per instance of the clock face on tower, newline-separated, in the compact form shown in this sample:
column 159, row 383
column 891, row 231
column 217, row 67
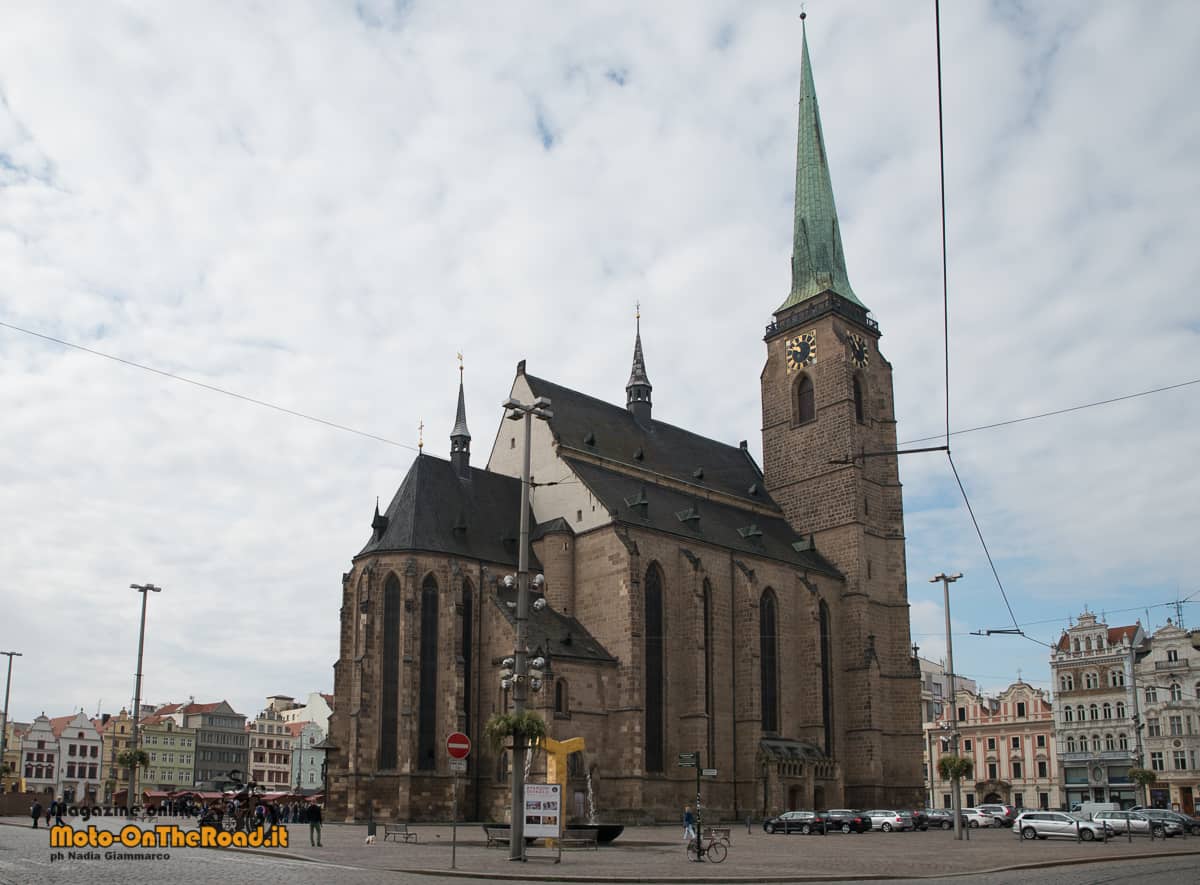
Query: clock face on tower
column 801, row 351
column 859, row 354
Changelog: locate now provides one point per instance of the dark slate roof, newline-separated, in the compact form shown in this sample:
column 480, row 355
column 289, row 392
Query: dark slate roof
column 591, row 425
column 720, row 524
column 435, row 510
column 552, row 633
column 558, row 524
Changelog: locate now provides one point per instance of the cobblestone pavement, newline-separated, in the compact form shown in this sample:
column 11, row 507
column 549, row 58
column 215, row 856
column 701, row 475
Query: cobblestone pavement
column 641, row 854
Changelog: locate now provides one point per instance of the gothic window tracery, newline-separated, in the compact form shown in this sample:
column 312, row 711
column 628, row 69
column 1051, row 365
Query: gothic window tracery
column 427, row 699
column 389, row 701
column 768, row 636
column 654, row 668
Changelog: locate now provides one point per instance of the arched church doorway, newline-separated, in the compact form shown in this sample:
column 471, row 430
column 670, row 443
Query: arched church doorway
column 793, row 798
column 818, row 798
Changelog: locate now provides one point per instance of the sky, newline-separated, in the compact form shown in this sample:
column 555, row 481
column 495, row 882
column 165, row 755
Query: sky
column 317, row 205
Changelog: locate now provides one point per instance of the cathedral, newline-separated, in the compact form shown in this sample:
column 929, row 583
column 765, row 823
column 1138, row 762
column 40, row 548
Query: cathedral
column 692, row 602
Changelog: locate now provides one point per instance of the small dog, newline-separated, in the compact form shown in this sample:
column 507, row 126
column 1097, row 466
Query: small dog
column 370, row 840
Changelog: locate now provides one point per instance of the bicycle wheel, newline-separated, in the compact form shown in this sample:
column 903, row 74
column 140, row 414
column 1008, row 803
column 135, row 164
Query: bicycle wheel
column 717, row 851
column 693, row 849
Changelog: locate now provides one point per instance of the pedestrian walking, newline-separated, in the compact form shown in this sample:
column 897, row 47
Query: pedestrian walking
column 35, row 810
column 313, row 815
column 59, row 807
column 689, row 823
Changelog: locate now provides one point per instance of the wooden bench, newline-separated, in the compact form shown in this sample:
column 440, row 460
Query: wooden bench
column 579, row 838
column 497, row 836
column 398, row 832
column 720, row 833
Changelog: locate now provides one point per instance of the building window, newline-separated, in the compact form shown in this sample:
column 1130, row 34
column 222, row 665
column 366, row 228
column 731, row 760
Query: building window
column 1019, row 798
column 389, row 709
column 1095, row 711
column 858, row 400
column 1120, row 709
column 468, row 648
column 1109, row 742
column 1172, row 655
column 1179, row 760
column 1017, row 770
column 1042, row 769
column 1107, row 710
column 1016, row 742
column 991, row 743
column 962, row 714
column 1068, row 714
column 768, row 638
column 1021, row 709
column 1156, row 761
column 1080, row 713
column 1091, row 680
column 1176, row 692
column 1041, row 740
column 427, row 725
column 967, row 745
column 827, row 677
column 1122, row 741
column 970, row 800
column 1151, row 694
column 1176, row 725
column 561, row 698
column 806, row 402
column 1044, row 801
column 945, row 800
column 1096, row 743
column 654, row 668
column 1116, row 678
column 709, row 687
column 1066, row 682
column 1153, row 729
column 991, row 771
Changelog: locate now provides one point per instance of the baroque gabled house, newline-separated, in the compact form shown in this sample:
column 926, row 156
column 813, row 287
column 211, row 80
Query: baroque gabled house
column 1167, row 672
column 694, row 602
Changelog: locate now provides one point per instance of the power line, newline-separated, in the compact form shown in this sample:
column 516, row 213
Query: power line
column 212, row 387
column 1080, row 407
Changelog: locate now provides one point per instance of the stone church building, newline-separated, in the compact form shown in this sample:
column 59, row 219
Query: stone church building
column 695, row 601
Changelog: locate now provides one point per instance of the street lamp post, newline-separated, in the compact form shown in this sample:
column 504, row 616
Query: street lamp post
column 540, row 408
column 947, row 580
column 4, row 721
column 145, row 590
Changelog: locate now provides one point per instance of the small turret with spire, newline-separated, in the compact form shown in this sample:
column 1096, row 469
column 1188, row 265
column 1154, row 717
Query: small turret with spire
column 638, row 389
column 460, row 437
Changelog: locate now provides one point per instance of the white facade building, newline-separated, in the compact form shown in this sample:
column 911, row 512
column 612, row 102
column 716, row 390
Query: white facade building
column 1168, row 684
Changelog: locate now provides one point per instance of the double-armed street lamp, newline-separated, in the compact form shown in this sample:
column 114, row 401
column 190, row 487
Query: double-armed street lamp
column 145, row 590
column 947, row 580
column 517, row 411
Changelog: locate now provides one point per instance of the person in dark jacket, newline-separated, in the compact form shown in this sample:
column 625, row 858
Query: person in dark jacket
column 313, row 816
column 35, row 810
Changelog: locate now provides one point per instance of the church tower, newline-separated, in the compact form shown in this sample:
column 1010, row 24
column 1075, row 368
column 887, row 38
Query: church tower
column 827, row 411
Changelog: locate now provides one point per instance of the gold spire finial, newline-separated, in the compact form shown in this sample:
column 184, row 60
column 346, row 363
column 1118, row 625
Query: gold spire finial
column 421, row 436
column 460, row 367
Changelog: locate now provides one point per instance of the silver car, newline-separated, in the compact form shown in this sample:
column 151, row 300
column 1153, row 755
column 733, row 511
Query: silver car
column 1137, row 823
column 887, row 820
column 973, row 818
column 1044, row 824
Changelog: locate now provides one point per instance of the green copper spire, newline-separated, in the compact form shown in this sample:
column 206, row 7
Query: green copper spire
column 818, row 264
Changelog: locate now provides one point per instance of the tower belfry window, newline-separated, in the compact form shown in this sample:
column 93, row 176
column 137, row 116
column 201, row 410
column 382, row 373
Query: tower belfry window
column 858, row 400
column 806, row 401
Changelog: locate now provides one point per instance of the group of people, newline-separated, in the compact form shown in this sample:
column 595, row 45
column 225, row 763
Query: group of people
column 56, row 809
column 266, row 815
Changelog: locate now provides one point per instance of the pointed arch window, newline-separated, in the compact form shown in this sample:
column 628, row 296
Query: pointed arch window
column 389, row 701
column 827, row 677
column 562, row 698
column 468, row 622
column 768, row 649
column 806, row 400
column 858, row 400
column 654, row 669
column 427, row 697
column 709, row 688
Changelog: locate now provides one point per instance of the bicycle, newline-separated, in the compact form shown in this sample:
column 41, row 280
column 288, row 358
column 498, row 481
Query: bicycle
column 715, row 850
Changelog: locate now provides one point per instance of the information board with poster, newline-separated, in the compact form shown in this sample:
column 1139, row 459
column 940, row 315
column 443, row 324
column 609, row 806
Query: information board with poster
column 543, row 811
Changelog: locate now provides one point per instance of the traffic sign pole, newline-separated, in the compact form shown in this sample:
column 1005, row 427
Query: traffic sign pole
column 458, row 746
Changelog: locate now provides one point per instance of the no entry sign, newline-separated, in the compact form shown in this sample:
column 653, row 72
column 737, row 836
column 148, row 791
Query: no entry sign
column 458, row 745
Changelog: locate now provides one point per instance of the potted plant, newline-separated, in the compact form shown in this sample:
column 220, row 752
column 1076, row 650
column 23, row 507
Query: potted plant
column 525, row 729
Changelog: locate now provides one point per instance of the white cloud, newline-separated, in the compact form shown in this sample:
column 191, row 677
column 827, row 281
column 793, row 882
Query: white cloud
column 319, row 209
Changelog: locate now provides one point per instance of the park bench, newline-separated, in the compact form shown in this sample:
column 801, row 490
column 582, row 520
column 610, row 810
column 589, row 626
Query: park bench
column 497, row 836
column 398, row 832
column 721, row 833
column 579, row 838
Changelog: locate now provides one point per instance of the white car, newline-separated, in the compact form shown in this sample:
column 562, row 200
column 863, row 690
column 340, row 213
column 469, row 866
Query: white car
column 975, row 818
column 1044, row 824
column 883, row 819
column 1136, row 822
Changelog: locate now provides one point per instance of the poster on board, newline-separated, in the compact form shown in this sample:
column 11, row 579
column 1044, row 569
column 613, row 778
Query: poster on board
column 543, row 811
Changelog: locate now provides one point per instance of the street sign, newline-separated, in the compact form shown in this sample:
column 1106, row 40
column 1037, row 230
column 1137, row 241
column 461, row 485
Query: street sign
column 458, row 745
column 689, row 760
column 458, row 766
column 708, row 772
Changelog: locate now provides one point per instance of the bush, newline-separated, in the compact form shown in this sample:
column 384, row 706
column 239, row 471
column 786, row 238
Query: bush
column 951, row 767
column 524, row 728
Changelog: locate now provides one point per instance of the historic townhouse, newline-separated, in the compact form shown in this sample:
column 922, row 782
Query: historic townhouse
column 1009, row 738
column 79, row 758
column 271, row 747
column 1168, row 680
column 1096, row 710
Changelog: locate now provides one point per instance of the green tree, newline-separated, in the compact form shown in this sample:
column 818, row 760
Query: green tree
column 1145, row 778
column 133, row 758
column 955, row 767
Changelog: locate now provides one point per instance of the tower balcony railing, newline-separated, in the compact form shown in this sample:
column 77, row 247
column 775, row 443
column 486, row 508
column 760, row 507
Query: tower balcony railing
column 1184, row 664
column 827, row 302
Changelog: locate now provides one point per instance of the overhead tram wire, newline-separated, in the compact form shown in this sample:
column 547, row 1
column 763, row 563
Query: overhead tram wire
column 213, row 388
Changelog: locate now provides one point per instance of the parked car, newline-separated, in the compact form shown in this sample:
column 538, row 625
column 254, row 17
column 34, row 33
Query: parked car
column 973, row 818
column 1137, row 822
column 845, row 820
column 1006, row 814
column 1044, row 824
column 940, row 817
column 1191, row 824
column 888, row 820
column 794, row 822
column 920, row 819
